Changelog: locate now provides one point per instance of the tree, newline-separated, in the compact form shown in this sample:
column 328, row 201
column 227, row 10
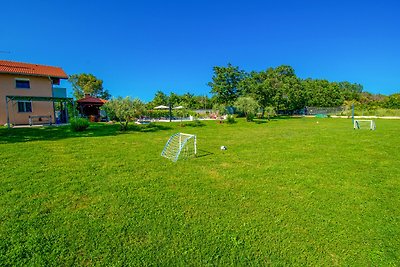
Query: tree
column 278, row 87
column 289, row 94
column 160, row 98
column 203, row 102
column 257, row 86
column 189, row 101
column 248, row 106
column 393, row 101
column 124, row 110
column 351, row 91
column 225, row 83
column 174, row 99
column 322, row 93
column 88, row 84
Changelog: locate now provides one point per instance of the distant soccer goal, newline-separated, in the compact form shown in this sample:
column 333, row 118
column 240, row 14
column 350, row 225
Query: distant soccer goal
column 180, row 146
column 364, row 124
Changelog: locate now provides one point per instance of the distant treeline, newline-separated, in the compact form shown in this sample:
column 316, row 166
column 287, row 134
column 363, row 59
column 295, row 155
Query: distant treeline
column 278, row 88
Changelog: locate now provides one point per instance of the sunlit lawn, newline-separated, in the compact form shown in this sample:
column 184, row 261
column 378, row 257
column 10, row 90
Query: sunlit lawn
column 286, row 192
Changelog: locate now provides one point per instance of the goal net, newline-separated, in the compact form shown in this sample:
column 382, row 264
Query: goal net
column 180, row 146
column 364, row 124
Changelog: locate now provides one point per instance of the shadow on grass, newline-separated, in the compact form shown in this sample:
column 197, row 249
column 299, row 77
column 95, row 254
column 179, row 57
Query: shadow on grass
column 195, row 123
column 287, row 117
column 279, row 118
column 151, row 127
column 53, row 133
column 260, row 121
column 203, row 153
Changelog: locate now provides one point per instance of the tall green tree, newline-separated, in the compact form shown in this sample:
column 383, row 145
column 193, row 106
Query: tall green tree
column 289, row 91
column 160, row 98
column 189, row 101
column 350, row 91
column 393, row 101
column 174, row 99
column 278, row 87
column 85, row 83
column 203, row 102
column 257, row 86
column 224, row 84
column 322, row 93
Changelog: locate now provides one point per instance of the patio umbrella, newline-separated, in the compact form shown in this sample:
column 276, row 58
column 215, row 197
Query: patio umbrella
column 178, row 107
column 161, row 107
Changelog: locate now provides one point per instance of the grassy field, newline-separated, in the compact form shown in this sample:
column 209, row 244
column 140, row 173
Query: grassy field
column 286, row 192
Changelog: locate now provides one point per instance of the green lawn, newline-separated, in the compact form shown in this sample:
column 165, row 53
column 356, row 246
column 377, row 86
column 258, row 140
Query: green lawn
column 286, row 192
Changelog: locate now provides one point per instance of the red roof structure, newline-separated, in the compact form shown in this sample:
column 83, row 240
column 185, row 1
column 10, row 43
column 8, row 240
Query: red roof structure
column 31, row 69
column 90, row 107
column 92, row 100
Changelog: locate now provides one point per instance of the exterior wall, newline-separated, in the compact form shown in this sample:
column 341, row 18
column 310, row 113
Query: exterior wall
column 39, row 86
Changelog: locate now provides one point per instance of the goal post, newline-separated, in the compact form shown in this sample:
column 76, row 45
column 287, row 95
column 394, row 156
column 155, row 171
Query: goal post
column 180, row 146
column 364, row 124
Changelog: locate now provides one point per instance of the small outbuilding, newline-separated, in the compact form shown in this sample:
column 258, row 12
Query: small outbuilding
column 90, row 107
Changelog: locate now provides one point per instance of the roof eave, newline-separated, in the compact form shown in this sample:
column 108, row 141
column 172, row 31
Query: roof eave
column 36, row 75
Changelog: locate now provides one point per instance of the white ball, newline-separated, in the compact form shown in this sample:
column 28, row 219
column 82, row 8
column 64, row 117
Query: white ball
column 223, row 148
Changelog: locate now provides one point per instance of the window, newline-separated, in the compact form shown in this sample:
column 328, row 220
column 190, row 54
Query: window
column 55, row 81
column 24, row 84
column 24, row 106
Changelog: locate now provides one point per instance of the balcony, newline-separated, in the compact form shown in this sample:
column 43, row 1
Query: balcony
column 59, row 92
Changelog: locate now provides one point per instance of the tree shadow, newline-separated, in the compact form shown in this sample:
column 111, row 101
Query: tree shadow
column 54, row 133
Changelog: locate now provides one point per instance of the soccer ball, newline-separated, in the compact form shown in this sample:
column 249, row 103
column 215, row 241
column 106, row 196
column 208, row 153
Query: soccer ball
column 223, row 148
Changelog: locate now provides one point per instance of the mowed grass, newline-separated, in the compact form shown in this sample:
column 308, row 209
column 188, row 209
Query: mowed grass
column 286, row 192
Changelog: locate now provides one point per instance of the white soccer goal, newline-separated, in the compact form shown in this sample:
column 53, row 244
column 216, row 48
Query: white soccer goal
column 364, row 124
column 180, row 146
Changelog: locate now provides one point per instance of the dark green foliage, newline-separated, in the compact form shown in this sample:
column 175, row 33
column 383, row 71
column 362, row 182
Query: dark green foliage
column 79, row 124
column 350, row 91
column 225, row 84
column 230, row 119
column 280, row 88
column 124, row 110
column 250, row 117
column 160, row 98
column 248, row 106
column 174, row 99
column 393, row 102
column 88, row 84
column 322, row 93
column 187, row 100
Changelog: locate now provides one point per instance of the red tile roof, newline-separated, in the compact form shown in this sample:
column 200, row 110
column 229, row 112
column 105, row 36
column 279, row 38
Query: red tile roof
column 31, row 69
column 92, row 100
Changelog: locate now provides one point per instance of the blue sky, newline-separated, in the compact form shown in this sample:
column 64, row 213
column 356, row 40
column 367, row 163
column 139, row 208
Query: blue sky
column 139, row 47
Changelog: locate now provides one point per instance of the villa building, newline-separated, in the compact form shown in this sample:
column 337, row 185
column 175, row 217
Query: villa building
column 30, row 92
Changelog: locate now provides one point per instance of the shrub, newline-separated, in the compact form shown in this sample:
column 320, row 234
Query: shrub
column 248, row 106
column 250, row 117
column 79, row 124
column 230, row 119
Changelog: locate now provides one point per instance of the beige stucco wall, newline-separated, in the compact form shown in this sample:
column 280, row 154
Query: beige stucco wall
column 39, row 86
